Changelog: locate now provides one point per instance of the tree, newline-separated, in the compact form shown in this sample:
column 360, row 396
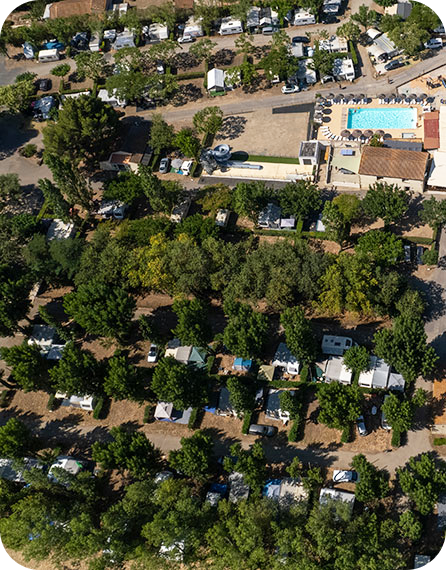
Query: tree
column 424, row 16
column 365, row 17
column 299, row 335
column 127, row 188
column 400, row 413
column 162, row 195
column 179, row 384
column 422, row 479
column 349, row 31
column 60, row 71
column 189, row 265
column 357, row 359
column 244, row 44
column 122, row 380
column 28, row 366
column 249, row 199
column 299, row 198
column 386, row 3
column 202, row 50
column 14, row 298
column 409, row 36
column 128, row 85
column 208, row 120
column 380, row 247
column 372, row 484
column 339, row 405
column 433, row 212
column 207, row 11
column 216, row 197
column 54, row 198
column 197, row 228
column 101, row 309
column 239, row 9
column 251, row 463
column 85, row 130
column 194, row 457
column 322, row 61
column 311, row 476
column 410, row 526
column 161, row 134
column 245, row 332
column 349, row 205
column 386, row 201
column 376, row 141
column 411, row 304
column 73, row 185
column 290, row 403
column 241, row 393
column 405, row 347
column 148, row 267
column 18, row 96
column 128, row 451
column 91, row 65
column 193, row 327
column 77, row 372
column 10, row 189
column 14, row 438
column 187, row 142
column 163, row 51
column 336, row 226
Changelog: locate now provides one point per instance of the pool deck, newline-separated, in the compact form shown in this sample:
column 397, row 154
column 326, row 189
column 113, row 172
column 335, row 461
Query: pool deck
column 339, row 118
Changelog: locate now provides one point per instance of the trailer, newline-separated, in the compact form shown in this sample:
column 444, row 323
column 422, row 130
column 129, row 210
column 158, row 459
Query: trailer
column 48, row 55
column 229, row 26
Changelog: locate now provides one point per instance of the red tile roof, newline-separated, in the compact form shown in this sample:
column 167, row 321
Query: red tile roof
column 432, row 130
column 393, row 163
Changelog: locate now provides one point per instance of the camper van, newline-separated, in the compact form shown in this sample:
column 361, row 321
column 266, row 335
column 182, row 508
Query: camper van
column 95, row 42
column 230, row 26
column 49, row 55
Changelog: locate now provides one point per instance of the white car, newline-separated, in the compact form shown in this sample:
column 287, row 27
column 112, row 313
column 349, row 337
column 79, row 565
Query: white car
column 186, row 166
column 153, row 353
column 340, row 476
column 288, row 88
column 186, row 40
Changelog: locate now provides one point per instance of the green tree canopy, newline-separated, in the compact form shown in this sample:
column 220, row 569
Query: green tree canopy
column 364, row 16
column 409, row 36
column 91, row 65
column 187, row 142
column 251, row 463
column 299, row 335
column 337, row 228
column 433, row 212
column 194, row 457
column 339, row 405
column 241, row 393
column 400, row 412
column 380, row 247
column 299, row 199
column 202, row 50
column 197, row 227
column 357, row 359
column 373, row 484
column 349, row 31
column 77, row 372
column 15, row 286
column 18, row 96
column 249, row 198
column 15, row 438
column 349, row 205
column 410, row 526
column 386, row 201
column 178, row 383
column 122, row 380
column 29, row 367
column 161, row 134
column 193, row 326
column 245, row 332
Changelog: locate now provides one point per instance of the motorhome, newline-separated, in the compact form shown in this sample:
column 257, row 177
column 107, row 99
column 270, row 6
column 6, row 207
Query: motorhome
column 95, row 42
column 49, row 55
column 230, row 26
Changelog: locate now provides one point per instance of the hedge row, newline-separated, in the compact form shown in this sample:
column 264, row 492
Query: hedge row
column 97, row 412
column 247, row 416
column 440, row 441
column 193, row 418
column 396, row 438
column 353, row 53
column 420, row 240
column 191, row 75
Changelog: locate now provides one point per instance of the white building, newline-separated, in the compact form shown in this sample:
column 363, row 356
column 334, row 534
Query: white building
column 334, row 45
column 230, row 26
column 336, row 371
column 344, row 69
column 377, row 376
column 68, row 464
column 331, row 6
column 238, row 490
column 112, row 209
column 124, row 39
column 193, row 28
column 216, row 80
column 111, row 99
column 336, row 345
column 222, row 217
column 310, row 152
column 157, row 32
column 85, row 403
column 327, row 495
column 284, row 359
column 403, row 9
column 305, row 71
column 303, row 18
column 180, row 210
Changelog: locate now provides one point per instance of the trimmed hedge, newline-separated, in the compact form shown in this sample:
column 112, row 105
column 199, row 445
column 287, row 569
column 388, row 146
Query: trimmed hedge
column 4, row 398
column 440, row 441
column 97, row 411
column 274, row 159
column 284, row 384
column 193, row 418
column 304, row 373
column 316, row 235
column 293, row 434
column 353, row 53
column 210, row 363
column 420, row 240
column 282, row 233
column 247, row 416
column 148, row 413
column 51, row 405
column 191, row 75
column 346, row 433
column 396, row 438
column 299, row 226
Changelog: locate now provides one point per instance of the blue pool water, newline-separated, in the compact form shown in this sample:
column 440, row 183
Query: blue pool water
column 386, row 118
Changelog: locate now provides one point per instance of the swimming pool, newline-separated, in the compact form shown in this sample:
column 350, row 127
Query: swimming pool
column 387, row 118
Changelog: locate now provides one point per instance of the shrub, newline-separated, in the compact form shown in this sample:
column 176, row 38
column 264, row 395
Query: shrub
column 193, row 418
column 247, row 416
column 4, row 399
column 440, row 441
column 396, row 438
column 210, row 363
column 353, row 53
column 51, row 405
column 148, row 413
column 293, row 434
column 97, row 412
column 28, row 150
column 346, row 432
column 304, row 373
column 430, row 256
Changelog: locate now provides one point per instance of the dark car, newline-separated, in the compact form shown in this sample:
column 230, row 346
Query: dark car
column 300, row 40
column 330, row 19
column 393, row 65
column 258, row 429
column 43, row 84
column 383, row 57
column 360, row 424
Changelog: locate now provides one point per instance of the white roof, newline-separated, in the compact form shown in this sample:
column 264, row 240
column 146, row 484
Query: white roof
column 11, row 472
column 42, row 336
column 332, row 344
column 336, row 495
column 336, row 370
column 48, row 52
column 437, row 174
column 70, row 464
column 396, row 382
column 377, row 376
column 373, row 33
column 216, row 78
column 163, row 410
column 292, row 490
column 60, row 230
column 105, row 96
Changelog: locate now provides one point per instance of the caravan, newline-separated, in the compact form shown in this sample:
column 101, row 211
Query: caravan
column 49, row 55
column 95, row 42
column 230, row 26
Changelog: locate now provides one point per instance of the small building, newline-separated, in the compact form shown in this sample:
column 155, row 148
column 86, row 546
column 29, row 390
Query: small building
column 132, row 151
column 230, row 26
column 253, row 19
column 242, row 364
column 439, row 393
column 190, row 355
column 111, row 98
column 310, row 152
column 95, row 42
column 112, row 209
column 420, row 560
column 285, row 491
column 288, row 223
column 156, row 32
column 12, row 470
column 180, row 210
column 327, row 495
column 396, row 382
column 297, row 50
column 121, row 8
column 67, row 463
column 238, row 490
column 336, row 345
column 336, row 371
column 403, row 9
column 269, row 218
column 403, row 167
column 217, row 491
column 224, row 407
column 344, row 69
column 163, row 411
column 303, row 18
column 377, row 376
column 42, row 108
column 273, row 410
column 305, row 71
column 216, row 80
column 431, row 125
column 29, row 51
column 47, row 339
column 85, row 403
column 284, row 359
column 222, row 217
column 69, row 8
column 334, row 45
column 73, row 96
column 124, row 39
column 266, row 373
column 60, row 230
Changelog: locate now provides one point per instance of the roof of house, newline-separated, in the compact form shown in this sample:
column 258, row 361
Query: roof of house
column 13, row 470
column 441, row 511
column 404, row 145
column 216, row 78
column 396, row 382
column 336, row 495
column 283, row 356
column 336, row 370
column 308, row 149
column 135, row 142
column 223, row 400
column 68, row 8
column 240, row 362
column 270, row 214
column 266, row 372
column 163, row 410
column 60, row 230
column 393, row 163
column 432, row 130
column 238, row 489
column 421, row 560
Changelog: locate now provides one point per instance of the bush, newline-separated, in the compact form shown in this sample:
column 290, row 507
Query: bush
column 353, row 53
column 440, row 441
column 97, row 412
column 304, row 373
column 28, row 150
column 4, row 399
column 396, row 438
column 293, row 434
column 345, row 437
column 51, row 405
column 193, row 418
column 148, row 413
column 210, row 363
column 430, row 256
column 191, row 75
column 247, row 416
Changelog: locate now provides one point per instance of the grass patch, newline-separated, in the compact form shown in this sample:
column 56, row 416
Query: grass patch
column 191, row 75
column 285, row 384
column 258, row 158
column 4, row 399
column 420, row 240
column 396, row 438
column 315, row 235
column 440, row 441
column 282, row 233
column 247, row 416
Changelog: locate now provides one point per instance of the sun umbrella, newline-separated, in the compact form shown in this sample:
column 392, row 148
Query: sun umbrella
column 413, row 96
column 339, row 97
column 327, row 111
column 379, row 133
column 398, row 99
column 357, row 133
column 368, row 133
column 382, row 96
column 387, row 136
column 422, row 95
column 345, row 133
column 408, row 99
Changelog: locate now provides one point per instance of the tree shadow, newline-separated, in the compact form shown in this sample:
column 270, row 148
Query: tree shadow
column 433, row 294
column 186, row 93
column 15, row 133
column 232, row 128
column 32, row 420
column 184, row 60
column 223, row 56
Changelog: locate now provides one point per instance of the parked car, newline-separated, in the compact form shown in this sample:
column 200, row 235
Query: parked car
column 383, row 57
column 186, row 40
column 384, row 423
column 44, row 84
column 407, row 254
column 289, row 88
column 340, row 476
column 186, row 166
column 153, row 353
column 395, row 64
column 258, row 429
column 434, row 43
column 360, row 424
column 164, row 166
column 160, row 69
column 330, row 19
column 300, row 40
column 162, row 476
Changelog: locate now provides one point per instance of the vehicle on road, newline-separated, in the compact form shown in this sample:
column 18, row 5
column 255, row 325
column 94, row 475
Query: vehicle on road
column 340, row 476
column 384, row 423
column 264, row 430
column 288, row 88
column 360, row 424
column 434, row 43
column 186, row 40
column 164, row 166
column 153, row 353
